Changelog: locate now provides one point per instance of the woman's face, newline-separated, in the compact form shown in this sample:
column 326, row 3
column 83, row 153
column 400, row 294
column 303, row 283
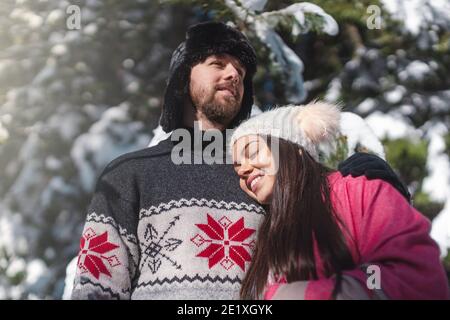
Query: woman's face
column 254, row 163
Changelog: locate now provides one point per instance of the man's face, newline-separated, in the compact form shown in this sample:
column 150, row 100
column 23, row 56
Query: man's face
column 217, row 87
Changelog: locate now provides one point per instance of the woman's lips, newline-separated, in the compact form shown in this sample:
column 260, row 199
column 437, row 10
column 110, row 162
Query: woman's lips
column 252, row 182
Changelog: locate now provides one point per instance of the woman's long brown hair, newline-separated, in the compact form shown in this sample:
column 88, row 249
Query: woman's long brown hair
column 300, row 212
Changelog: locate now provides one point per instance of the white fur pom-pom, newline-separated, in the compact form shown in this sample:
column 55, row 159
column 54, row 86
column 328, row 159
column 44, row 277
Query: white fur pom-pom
column 319, row 121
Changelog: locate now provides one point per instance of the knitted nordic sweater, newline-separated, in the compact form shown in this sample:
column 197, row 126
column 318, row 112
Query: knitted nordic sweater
column 157, row 230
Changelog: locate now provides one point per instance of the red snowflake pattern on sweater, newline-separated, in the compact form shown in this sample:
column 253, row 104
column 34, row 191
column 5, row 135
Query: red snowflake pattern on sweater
column 226, row 243
column 91, row 258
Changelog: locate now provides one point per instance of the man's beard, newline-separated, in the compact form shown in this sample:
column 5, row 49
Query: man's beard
column 220, row 111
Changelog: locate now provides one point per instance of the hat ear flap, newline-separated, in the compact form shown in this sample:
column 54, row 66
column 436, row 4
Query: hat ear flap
column 319, row 121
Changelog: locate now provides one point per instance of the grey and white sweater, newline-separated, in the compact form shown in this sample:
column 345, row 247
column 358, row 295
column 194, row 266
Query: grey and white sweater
column 157, row 230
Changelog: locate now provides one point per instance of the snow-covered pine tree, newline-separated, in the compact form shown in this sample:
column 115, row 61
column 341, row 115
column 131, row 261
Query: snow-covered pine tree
column 396, row 78
column 71, row 100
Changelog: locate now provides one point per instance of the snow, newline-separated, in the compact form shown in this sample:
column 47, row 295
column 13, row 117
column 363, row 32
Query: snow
column 91, row 29
column 72, row 36
column 407, row 109
column 255, row 110
column 287, row 60
column 133, row 87
column 153, row 102
column 392, row 126
column 416, row 70
column 437, row 183
column 334, row 90
column 368, row 105
column 417, row 13
column 59, row 50
column 12, row 233
column 4, row 134
column 364, row 82
column 15, row 292
column 57, row 185
column 128, row 63
column 48, row 72
column 6, row 234
column 35, row 270
column 158, row 135
column 55, row 16
column 94, row 111
column 70, row 277
column 238, row 11
column 32, row 19
column 6, row 118
column 298, row 10
column 358, row 132
column 395, row 95
column 30, row 175
column 253, row 5
column 16, row 267
column 264, row 25
column 6, row 67
column 68, row 123
column 440, row 102
column 440, row 229
column 52, row 163
column 115, row 135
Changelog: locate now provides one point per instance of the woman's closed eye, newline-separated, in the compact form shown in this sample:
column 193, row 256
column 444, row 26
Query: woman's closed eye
column 253, row 155
column 251, row 150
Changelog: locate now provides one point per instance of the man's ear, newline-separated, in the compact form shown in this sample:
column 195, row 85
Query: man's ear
column 300, row 151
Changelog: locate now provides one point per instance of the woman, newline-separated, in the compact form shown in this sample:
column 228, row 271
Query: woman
column 327, row 236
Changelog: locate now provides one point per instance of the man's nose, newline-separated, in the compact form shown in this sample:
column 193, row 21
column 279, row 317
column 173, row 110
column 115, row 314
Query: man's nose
column 231, row 73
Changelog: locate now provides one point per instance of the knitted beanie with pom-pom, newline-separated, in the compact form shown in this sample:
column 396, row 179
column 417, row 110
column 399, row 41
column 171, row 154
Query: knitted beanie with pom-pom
column 306, row 125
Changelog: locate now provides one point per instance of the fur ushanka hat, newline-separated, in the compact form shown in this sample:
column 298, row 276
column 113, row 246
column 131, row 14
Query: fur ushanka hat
column 203, row 40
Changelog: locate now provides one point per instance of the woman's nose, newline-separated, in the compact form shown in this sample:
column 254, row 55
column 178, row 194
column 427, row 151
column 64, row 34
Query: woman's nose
column 245, row 169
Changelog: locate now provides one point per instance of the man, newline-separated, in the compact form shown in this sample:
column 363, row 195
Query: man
column 158, row 230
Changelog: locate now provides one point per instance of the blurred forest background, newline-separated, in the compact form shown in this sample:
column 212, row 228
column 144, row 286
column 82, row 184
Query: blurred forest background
column 81, row 82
